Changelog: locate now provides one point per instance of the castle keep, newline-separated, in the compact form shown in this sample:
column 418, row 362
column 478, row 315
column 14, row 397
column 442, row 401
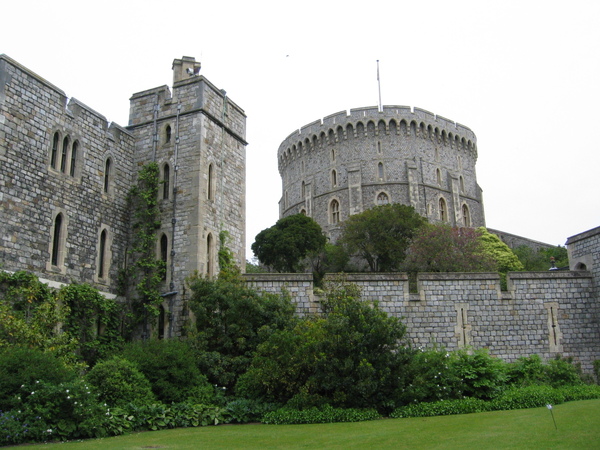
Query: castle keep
column 66, row 174
column 350, row 162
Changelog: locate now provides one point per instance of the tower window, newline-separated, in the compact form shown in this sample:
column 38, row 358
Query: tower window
column 334, row 208
column 466, row 216
column 63, row 157
column 56, row 240
column 54, row 153
column 443, row 210
column 333, row 178
column 102, row 255
column 382, row 198
column 166, row 180
column 74, row 151
column 168, row 134
column 380, row 170
column 107, row 174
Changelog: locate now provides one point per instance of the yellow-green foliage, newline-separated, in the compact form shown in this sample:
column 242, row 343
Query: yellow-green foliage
column 505, row 258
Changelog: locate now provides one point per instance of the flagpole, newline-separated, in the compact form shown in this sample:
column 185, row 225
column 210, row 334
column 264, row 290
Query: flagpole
column 379, row 87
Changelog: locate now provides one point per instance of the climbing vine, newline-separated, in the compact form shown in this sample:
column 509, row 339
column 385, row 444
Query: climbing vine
column 227, row 264
column 145, row 270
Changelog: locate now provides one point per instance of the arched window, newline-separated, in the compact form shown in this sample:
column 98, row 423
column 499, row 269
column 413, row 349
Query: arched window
column 303, row 190
column 56, row 240
column 211, row 182
column 333, row 178
column 334, row 208
column 209, row 255
column 378, row 147
column 443, row 210
column 164, row 253
column 63, row 157
column 438, row 174
column 333, row 155
column 462, row 184
column 74, row 151
column 380, row 170
column 102, row 255
column 166, row 180
column 54, row 153
column 303, row 211
column 466, row 216
column 107, row 174
column 382, row 198
column 168, row 134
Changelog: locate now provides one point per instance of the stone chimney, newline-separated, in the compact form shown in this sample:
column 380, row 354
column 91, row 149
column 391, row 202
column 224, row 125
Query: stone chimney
column 185, row 68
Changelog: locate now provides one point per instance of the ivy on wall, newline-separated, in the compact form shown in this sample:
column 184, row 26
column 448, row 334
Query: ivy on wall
column 145, row 270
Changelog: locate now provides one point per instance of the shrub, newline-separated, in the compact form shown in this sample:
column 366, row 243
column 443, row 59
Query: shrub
column 527, row 370
column 23, row 366
column 171, row 368
column 442, row 408
column 244, row 410
column 527, row 397
column 580, row 392
column 118, row 382
column 326, row 414
column 597, row 370
column 562, row 372
column 440, row 375
column 59, row 411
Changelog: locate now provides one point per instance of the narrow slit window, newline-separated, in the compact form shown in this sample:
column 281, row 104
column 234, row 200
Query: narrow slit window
column 56, row 240
column 54, row 154
column 166, row 181
column 74, row 151
column 63, row 157
column 107, row 174
column 102, row 255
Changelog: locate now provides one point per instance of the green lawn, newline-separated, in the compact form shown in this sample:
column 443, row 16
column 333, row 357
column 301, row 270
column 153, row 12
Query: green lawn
column 578, row 428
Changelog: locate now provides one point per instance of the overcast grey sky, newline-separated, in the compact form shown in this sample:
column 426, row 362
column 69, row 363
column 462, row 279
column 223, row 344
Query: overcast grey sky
column 523, row 75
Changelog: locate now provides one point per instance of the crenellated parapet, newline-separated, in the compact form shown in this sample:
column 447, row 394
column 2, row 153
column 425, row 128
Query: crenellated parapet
column 369, row 122
column 353, row 160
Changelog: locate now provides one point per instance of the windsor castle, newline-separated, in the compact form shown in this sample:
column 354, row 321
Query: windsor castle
column 65, row 174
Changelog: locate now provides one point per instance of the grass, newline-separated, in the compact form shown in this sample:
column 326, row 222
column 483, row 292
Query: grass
column 578, row 427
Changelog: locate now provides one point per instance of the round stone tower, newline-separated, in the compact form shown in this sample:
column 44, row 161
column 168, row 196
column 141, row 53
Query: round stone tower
column 349, row 162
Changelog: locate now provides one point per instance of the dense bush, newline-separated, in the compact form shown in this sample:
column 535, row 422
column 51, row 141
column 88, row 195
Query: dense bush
column 528, row 397
column 24, row 366
column 47, row 411
column 171, row 368
column 231, row 320
column 350, row 357
column 441, row 375
column 532, row 370
column 442, row 408
column 244, row 410
column 325, row 414
column 118, row 382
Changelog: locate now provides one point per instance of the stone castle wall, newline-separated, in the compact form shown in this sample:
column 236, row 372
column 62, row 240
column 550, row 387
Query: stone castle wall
column 197, row 137
column 33, row 192
column 545, row 313
column 368, row 157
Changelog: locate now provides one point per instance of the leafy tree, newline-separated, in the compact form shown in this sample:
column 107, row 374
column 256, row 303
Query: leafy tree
column 230, row 321
column 505, row 258
column 539, row 260
column 442, row 248
column 284, row 245
column 381, row 235
column 348, row 356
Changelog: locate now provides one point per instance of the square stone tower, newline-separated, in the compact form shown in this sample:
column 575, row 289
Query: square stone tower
column 197, row 137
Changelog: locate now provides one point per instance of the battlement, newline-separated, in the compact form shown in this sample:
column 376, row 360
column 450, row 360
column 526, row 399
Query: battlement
column 359, row 122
